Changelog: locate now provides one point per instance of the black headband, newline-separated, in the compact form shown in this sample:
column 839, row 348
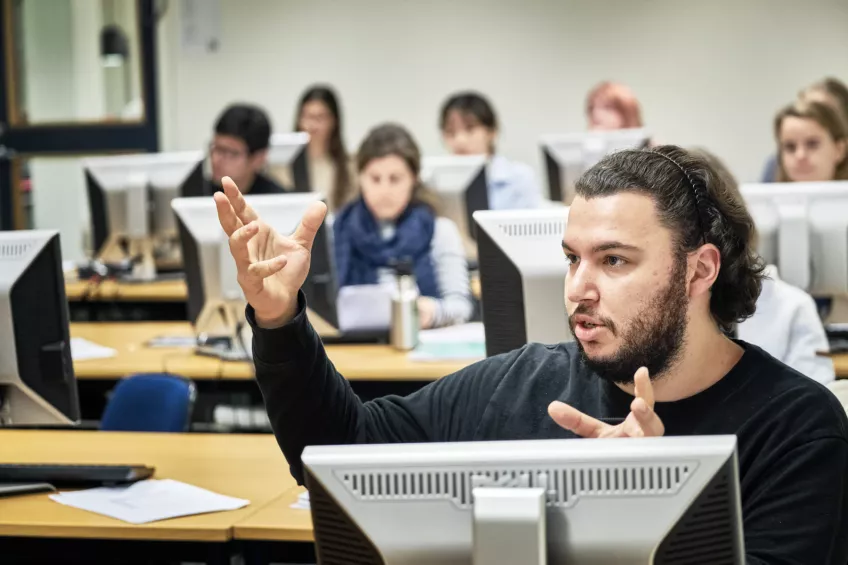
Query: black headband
column 698, row 195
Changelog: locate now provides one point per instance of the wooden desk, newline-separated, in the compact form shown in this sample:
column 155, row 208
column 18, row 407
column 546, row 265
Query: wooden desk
column 159, row 291
column 366, row 363
column 840, row 365
column 277, row 521
column 244, row 466
column 129, row 339
column 355, row 362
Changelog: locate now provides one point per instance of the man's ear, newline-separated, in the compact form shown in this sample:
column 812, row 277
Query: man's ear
column 704, row 266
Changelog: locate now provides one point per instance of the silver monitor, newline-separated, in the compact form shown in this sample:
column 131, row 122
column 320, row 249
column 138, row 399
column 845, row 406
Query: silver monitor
column 287, row 160
column 460, row 181
column 624, row 501
column 803, row 229
column 522, row 277
column 129, row 197
column 215, row 300
column 567, row 156
column 37, row 384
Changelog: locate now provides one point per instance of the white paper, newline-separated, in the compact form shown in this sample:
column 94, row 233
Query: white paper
column 469, row 333
column 200, row 26
column 302, row 501
column 82, row 349
column 364, row 307
column 149, row 501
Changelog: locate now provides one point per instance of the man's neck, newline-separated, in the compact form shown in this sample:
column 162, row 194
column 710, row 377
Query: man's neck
column 707, row 356
column 247, row 183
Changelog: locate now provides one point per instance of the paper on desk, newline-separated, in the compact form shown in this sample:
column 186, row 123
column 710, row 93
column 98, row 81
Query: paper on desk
column 82, row 349
column 302, row 501
column 149, row 501
column 364, row 307
column 465, row 341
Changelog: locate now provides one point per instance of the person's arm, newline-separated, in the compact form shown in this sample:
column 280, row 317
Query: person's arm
column 806, row 338
column 520, row 191
column 310, row 403
column 455, row 305
column 797, row 512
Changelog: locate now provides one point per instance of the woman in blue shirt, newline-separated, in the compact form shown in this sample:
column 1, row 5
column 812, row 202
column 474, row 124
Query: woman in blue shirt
column 394, row 219
column 469, row 127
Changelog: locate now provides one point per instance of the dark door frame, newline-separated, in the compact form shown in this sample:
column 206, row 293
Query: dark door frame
column 70, row 138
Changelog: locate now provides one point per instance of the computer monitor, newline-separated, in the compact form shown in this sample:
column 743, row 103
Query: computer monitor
column 37, row 384
column 626, row 501
column 522, row 277
column 215, row 300
column 460, row 181
column 803, row 229
column 129, row 198
column 287, row 159
column 567, row 156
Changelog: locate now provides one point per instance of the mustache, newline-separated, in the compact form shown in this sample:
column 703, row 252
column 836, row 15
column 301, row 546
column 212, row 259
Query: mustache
column 586, row 311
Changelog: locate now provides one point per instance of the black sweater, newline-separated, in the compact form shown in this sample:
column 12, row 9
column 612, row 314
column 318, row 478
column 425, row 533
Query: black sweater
column 792, row 432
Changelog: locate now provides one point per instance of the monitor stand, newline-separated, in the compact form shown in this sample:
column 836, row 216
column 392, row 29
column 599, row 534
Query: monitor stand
column 222, row 332
column 509, row 526
column 120, row 249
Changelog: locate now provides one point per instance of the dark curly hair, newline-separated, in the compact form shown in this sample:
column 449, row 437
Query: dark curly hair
column 697, row 203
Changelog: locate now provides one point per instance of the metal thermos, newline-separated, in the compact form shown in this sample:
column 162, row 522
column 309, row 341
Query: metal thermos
column 404, row 329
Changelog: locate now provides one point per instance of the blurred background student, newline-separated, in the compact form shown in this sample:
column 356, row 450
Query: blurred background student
column 239, row 149
column 611, row 106
column 470, row 127
column 330, row 168
column 828, row 91
column 395, row 218
column 811, row 143
column 786, row 323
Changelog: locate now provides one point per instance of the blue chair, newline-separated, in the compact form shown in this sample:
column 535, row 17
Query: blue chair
column 150, row 403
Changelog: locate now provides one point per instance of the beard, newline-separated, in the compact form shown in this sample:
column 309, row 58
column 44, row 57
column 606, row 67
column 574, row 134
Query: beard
column 654, row 339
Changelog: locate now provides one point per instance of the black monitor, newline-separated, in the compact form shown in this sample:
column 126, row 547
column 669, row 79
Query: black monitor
column 461, row 183
column 522, row 277
column 567, row 156
column 129, row 200
column 37, row 383
column 287, row 157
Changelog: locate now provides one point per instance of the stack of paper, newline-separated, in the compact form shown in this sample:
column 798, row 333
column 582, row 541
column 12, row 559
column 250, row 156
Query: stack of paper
column 82, row 349
column 302, row 501
column 466, row 341
column 149, row 501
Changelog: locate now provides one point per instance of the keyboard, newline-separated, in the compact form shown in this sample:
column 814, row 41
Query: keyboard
column 74, row 476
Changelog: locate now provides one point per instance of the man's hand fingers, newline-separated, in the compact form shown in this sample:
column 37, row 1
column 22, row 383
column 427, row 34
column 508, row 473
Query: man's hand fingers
column 576, row 421
column 244, row 212
column 226, row 215
column 644, row 422
column 264, row 269
column 238, row 245
column 308, row 227
column 644, row 388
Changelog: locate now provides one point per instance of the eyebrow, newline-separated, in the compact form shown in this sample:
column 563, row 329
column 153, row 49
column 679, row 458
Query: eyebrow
column 607, row 246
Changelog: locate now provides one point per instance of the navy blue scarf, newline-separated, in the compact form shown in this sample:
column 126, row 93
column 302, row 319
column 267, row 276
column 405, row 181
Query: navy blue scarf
column 361, row 250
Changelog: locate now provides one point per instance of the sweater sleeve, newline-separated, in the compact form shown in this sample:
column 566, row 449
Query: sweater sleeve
column 806, row 338
column 797, row 516
column 310, row 403
column 455, row 305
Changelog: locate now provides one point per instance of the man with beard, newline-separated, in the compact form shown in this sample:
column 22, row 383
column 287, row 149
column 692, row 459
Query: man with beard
column 660, row 270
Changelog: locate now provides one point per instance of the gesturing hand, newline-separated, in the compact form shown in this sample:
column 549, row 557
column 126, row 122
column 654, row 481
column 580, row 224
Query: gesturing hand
column 641, row 422
column 271, row 267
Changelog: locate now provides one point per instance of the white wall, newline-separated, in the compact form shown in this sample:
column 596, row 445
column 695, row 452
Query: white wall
column 709, row 73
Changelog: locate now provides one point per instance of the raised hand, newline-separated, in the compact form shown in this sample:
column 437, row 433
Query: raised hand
column 641, row 422
column 271, row 267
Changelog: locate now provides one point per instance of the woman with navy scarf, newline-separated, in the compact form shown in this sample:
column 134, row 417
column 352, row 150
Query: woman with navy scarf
column 394, row 218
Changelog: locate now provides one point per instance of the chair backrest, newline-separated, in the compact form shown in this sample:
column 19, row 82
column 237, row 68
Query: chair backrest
column 840, row 389
column 150, row 403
